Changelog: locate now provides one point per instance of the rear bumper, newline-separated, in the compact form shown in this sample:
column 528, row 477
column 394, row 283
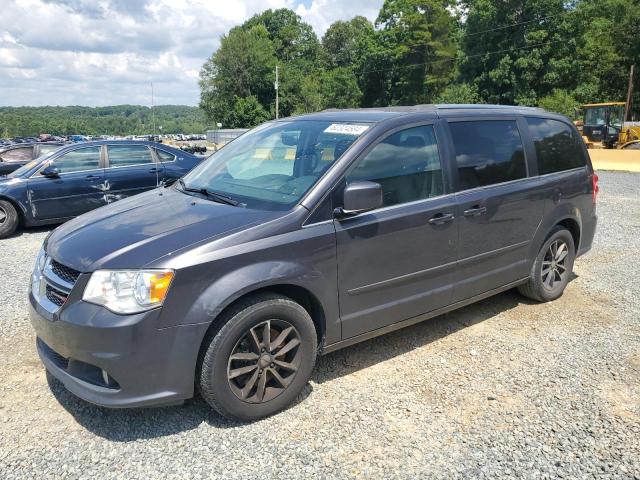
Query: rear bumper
column 587, row 235
column 117, row 360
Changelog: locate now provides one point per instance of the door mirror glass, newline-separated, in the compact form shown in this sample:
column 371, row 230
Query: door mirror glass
column 361, row 196
column 50, row 171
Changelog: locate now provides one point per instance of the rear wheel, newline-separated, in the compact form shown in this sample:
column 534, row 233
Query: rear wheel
column 552, row 268
column 8, row 219
column 259, row 359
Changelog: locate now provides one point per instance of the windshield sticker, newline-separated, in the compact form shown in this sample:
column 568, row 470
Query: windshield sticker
column 346, row 129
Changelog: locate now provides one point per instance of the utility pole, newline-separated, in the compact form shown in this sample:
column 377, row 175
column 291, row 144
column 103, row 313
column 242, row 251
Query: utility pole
column 276, row 85
column 629, row 95
column 153, row 114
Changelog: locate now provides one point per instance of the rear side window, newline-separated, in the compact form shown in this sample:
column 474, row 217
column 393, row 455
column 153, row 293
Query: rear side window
column 126, row 155
column 557, row 146
column 406, row 164
column 488, row 152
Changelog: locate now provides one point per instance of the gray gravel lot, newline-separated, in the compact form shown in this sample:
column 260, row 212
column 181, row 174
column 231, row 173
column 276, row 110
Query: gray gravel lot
column 503, row 388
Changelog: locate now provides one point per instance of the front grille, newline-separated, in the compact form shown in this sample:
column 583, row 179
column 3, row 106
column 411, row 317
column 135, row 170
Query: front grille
column 67, row 274
column 55, row 296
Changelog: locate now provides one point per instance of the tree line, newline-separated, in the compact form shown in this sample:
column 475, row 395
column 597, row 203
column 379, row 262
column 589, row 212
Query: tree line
column 556, row 54
column 117, row 120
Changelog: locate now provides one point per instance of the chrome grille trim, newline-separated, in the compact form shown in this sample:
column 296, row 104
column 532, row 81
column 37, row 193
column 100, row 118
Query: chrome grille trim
column 54, row 285
column 55, row 280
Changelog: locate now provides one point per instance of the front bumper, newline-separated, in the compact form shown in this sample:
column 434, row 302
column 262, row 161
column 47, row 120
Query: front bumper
column 117, row 360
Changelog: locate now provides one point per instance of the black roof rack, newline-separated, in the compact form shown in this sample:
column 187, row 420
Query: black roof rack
column 432, row 107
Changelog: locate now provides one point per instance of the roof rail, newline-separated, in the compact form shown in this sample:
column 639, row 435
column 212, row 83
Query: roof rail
column 441, row 106
column 449, row 106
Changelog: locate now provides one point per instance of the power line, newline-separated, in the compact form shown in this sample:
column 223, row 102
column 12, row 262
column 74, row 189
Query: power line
column 411, row 65
column 541, row 19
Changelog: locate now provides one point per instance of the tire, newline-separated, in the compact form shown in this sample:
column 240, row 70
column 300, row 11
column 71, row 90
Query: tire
column 8, row 219
column 547, row 285
column 245, row 387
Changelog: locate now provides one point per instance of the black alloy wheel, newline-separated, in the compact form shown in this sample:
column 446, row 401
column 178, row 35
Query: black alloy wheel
column 265, row 361
column 257, row 357
column 554, row 270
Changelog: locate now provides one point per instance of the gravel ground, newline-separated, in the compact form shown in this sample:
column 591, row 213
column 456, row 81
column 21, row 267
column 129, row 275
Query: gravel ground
column 503, row 388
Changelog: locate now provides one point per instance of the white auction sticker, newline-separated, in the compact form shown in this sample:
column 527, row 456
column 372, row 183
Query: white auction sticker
column 346, row 129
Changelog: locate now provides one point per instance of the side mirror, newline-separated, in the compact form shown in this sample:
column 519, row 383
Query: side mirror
column 360, row 197
column 50, row 171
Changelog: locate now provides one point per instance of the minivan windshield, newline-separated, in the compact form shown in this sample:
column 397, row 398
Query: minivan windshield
column 274, row 165
column 28, row 166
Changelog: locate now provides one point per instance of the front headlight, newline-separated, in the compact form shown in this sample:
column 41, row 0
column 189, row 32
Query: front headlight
column 36, row 276
column 123, row 291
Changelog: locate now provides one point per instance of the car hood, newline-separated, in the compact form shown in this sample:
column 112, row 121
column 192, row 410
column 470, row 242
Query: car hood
column 133, row 232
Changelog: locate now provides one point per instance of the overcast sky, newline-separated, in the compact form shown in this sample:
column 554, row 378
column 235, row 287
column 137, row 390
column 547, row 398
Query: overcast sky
column 106, row 52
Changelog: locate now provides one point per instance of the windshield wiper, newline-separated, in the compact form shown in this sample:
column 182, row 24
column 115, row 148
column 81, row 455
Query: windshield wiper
column 215, row 196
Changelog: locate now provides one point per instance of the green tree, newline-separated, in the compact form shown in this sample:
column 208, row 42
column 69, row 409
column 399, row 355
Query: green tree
column 560, row 101
column 459, row 93
column 608, row 33
column 242, row 67
column 113, row 120
column 345, row 42
column 248, row 112
column 292, row 39
column 417, row 36
column 340, row 89
column 517, row 51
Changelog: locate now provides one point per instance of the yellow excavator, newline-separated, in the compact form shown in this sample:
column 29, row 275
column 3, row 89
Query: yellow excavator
column 603, row 126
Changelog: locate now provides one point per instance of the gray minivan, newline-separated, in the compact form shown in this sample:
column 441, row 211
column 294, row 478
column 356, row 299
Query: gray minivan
column 303, row 236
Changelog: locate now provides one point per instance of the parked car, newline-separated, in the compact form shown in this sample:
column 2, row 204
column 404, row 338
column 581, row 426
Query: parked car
column 15, row 156
column 194, row 148
column 80, row 177
column 304, row 236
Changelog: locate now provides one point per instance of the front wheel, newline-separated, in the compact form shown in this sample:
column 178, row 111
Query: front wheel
column 552, row 268
column 8, row 219
column 259, row 359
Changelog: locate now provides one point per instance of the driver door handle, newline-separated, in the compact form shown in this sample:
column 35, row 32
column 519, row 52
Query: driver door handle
column 92, row 177
column 475, row 211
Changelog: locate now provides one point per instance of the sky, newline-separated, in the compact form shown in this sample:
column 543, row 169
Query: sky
column 107, row 52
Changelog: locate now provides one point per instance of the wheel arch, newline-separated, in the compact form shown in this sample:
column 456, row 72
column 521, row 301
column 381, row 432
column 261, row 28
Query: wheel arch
column 22, row 214
column 574, row 228
column 566, row 216
column 299, row 294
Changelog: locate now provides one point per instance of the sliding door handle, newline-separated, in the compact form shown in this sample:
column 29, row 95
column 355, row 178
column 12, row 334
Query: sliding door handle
column 440, row 218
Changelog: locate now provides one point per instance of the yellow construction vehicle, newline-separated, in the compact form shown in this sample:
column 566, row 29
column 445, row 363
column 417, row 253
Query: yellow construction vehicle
column 604, row 126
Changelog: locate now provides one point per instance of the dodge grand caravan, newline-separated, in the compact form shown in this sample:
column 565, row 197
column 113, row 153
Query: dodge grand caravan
column 303, row 236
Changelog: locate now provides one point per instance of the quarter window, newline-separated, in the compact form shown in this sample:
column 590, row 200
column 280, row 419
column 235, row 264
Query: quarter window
column 488, row 152
column 79, row 160
column 165, row 156
column 127, row 155
column 558, row 148
column 406, row 164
